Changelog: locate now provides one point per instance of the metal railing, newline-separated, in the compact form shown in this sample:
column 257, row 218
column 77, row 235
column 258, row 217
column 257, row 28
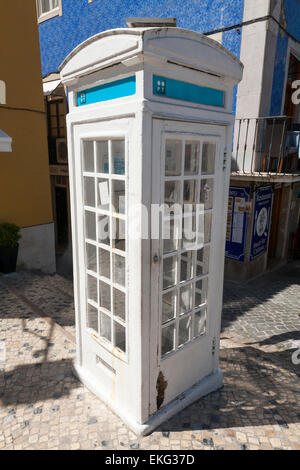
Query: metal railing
column 261, row 145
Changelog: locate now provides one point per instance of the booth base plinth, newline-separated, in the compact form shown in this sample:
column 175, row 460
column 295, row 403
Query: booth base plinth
column 208, row 385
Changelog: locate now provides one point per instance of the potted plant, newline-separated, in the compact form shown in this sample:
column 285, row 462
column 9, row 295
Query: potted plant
column 9, row 246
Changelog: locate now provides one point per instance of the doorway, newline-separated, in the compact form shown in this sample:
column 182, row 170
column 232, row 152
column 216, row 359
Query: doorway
column 275, row 219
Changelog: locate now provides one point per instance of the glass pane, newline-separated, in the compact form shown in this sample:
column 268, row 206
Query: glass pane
column 169, row 271
column 104, row 295
column 44, row 6
column 204, row 229
column 207, row 227
column 167, row 339
column 88, row 156
column 186, row 299
column 200, row 323
column 118, row 196
column 168, row 306
column 92, row 318
column 172, row 192
column 91, row 257
column 208, row 158
column 120, row 337
column 118, row 156
column 89, row 191
column 188, row 232
column 105, row 326
column 90, row 225
column 104, row 263
column 173, row 157
column 200, row 292
column 170, row 235
column 191, row 159
column 92, row 288
column 102, row 157
column 103, row 194
column 184, row 334
column 119, row 304
column 207, row 193
column 119, row 269
column 202, row 263
column 190, row 194
column 104, row 229
column 119, row 234
column 186, row 266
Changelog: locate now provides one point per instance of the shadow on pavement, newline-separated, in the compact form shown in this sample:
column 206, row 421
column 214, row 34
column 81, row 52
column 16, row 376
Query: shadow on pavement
column 241, row 298
column 32, row 383
column 259, row 389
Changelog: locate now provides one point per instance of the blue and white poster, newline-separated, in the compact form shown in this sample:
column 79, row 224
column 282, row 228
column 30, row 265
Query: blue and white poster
column 238, row 209
column 261, row 221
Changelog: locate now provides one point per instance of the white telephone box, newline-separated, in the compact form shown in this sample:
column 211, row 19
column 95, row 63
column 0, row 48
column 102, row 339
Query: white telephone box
column 150, row 125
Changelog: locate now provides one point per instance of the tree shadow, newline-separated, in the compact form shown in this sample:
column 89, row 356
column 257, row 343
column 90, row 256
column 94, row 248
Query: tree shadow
column 37, row 381
column 46, row 299
column 31, row 383
column 293, row 335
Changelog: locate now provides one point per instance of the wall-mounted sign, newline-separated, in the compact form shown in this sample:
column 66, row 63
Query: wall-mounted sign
column 261, row 221
column 238, row 207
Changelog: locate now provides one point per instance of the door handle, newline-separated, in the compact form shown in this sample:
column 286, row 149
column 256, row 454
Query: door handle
column 155, row 258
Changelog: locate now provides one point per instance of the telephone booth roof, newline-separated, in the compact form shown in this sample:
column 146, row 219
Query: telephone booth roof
column 166, row 45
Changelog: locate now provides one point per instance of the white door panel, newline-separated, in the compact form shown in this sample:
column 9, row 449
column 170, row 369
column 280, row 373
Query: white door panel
column 187, row 170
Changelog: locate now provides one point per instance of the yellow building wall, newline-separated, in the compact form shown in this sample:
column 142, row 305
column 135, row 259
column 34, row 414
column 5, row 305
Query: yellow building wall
column 25, row 195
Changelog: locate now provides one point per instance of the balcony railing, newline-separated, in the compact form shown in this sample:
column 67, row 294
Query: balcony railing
column 266, row 145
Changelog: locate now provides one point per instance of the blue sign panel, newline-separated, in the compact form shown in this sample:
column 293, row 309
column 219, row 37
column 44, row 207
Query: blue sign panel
column 187, row 91
column 261, row 221
column 238, row 208
column 108, row 91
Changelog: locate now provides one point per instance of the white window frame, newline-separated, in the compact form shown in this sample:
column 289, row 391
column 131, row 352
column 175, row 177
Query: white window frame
column 180, row 251
column 57, row 11
column 110, row 176
column 2, row 92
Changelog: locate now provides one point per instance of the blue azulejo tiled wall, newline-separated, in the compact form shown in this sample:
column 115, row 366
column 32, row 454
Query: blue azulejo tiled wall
column 279, row 74
column 292, row 17
column 291, row 21
column 81, row 19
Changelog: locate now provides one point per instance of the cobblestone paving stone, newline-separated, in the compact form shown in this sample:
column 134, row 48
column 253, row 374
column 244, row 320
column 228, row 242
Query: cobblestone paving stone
column 266, row 309
column 43, row 406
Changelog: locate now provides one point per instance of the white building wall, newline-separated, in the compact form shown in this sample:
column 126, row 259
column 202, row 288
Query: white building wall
column 37, row 248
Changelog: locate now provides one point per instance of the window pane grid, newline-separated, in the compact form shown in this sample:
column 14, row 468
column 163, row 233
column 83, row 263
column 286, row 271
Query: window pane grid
column 92, row 303
column 190, row 181
column 104, row 279
column 181, row 251
column 102, row 224
column 47, row 5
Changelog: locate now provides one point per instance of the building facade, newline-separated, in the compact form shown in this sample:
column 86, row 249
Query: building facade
column 25, row 197
column 265, row 35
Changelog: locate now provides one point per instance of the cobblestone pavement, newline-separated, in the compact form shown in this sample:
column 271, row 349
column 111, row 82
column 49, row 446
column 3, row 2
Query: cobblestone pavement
column 266, row 310
column 43, row 406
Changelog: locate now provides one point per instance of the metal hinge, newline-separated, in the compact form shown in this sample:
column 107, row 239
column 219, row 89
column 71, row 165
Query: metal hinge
column 213, row 346
column 225, row 160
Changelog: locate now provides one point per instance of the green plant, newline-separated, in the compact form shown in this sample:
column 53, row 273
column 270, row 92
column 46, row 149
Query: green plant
column 9, row 235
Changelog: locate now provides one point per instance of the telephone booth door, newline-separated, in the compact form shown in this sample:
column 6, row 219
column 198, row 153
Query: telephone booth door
column 188, row 172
